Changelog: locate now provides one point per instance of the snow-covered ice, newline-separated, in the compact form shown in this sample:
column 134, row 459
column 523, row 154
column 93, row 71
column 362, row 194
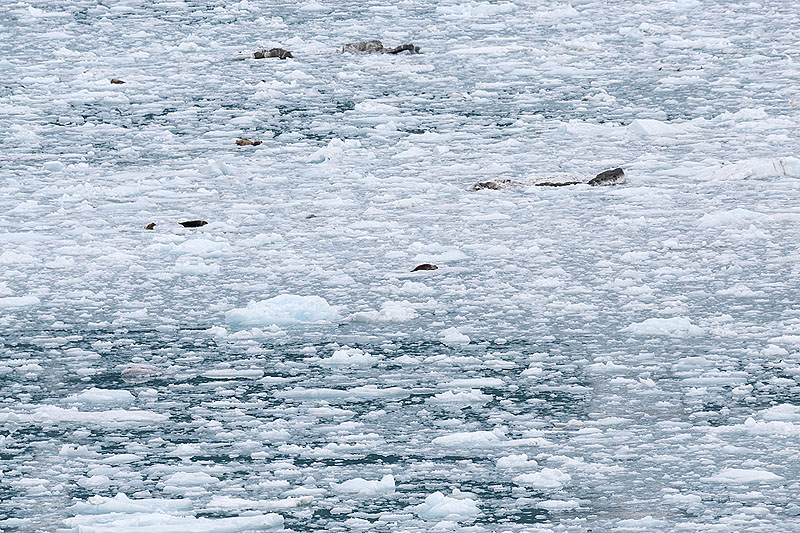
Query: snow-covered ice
column 621, row 358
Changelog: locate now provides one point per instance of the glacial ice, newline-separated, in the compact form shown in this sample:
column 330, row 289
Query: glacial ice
column 621, row 358
column 282, row 309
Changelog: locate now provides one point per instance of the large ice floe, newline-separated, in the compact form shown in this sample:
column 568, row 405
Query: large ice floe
column 347, row 291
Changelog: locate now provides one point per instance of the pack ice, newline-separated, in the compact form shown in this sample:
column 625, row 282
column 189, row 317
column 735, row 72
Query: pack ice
column 310, row 290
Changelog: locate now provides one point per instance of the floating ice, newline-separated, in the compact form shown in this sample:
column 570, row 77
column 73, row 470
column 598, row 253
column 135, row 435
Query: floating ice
column 470, row 439
column 677, row 326
column 282, row 309
column 547, row 478
column 734, row 217
column 102, row 396
column 54, row 414
column 366, row 487
column 7, row 302
column 784, row 412
column 390, row 312
column 151, row 522
column 437, row 506
column 349, row 357
column 740, row 476
column 755, row 169
column 453, row 337
column 645, row 127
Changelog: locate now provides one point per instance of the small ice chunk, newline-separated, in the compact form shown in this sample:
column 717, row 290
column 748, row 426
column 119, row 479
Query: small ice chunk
column 676, row 326
column 453, row 337
column 437, row 506
column 464, row 398
column 188, row 46
column 283, row 309
column 102, row 396
column 469, row 439
column 547, row 478
column 646, row 127
column 755, row 169
column 367, row 487
column 739, row 476
column 350, row 357
column 190, row 479
column 515, row 461
column 18, row 301
column 784, row 412
column 390, row 312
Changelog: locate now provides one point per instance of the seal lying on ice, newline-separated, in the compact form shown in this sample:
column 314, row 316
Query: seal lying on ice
column 376, row 47
column 609, row 177
column 280, row 53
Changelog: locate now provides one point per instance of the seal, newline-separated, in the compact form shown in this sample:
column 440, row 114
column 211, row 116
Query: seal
column 247, row 142
column 116, row 81
column 557, row 183
column 376, row 47
column 496, row 185
column 193, row 223
column 425, row 266
column 280, row 53
column 614, row 176
column 150, row 226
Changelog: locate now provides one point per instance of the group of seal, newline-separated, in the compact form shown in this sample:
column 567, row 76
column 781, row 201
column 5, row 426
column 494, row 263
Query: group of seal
column 280, row 53
column 614, row 176
column 361, row 47
column 376, row 47
column 185, row 224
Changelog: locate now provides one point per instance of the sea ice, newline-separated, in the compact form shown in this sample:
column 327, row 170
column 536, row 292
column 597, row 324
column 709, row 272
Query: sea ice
column 282, row 309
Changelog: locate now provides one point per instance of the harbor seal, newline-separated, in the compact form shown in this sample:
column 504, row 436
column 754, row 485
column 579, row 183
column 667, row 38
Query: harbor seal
column 614, row 176
column 425, row 266
column 193, row 223
column 376, row 47
column 496, row 185
column 280, row 53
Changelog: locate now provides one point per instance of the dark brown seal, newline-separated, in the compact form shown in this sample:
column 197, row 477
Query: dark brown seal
column 116, row 81
column 557, row 183
column 280, row 53
column 425, row 266
column 193, row 223
column 609, row 177
column 376, row 47
column 151, row 225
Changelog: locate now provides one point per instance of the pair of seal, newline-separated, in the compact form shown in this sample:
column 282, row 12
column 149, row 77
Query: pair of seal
column 614, row 176
column 186, row 224
column 376, row 47
column 280, row 53
column 247, row 142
